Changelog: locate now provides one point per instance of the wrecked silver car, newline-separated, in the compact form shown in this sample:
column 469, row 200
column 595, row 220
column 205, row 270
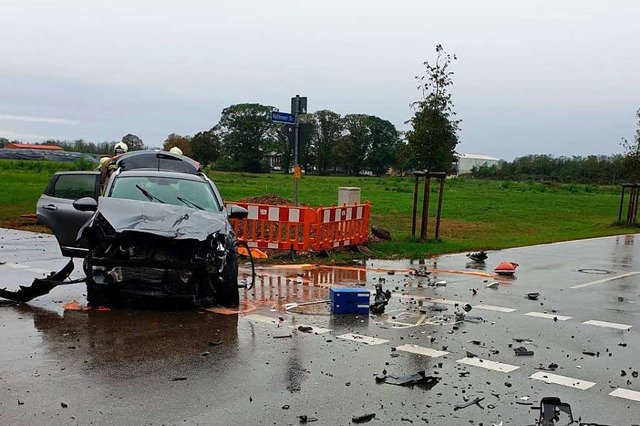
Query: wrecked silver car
column 159, row 229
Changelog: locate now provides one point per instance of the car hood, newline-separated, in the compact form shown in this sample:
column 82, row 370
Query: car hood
column 164, row 220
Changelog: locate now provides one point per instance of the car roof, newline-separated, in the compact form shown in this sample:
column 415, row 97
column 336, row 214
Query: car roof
column 161, row 173
column 157, row 160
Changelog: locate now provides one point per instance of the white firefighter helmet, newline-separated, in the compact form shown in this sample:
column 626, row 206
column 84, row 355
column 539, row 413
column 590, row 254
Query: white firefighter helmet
column 120, row 148
column 175, row 150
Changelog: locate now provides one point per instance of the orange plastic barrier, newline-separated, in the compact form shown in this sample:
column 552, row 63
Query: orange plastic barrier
column 302, row 228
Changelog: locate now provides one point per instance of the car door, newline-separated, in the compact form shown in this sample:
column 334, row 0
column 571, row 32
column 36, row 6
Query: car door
column 55, row 207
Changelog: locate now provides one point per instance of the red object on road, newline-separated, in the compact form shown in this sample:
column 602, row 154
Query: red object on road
column 506, row 268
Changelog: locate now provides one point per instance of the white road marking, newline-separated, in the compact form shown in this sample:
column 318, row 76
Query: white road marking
column 493, row 308
column 489, row 365
column 362, row 339
column 38, row 270
column 604, row 280
column 608, row 324
column 415, row 349
column 483, row 307
column 562, row 380
column 626, row 394
column 547, row 316
column 269, row 320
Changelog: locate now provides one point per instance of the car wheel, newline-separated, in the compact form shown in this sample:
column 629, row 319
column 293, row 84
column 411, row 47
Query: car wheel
column 97, row 295
column 227, row 293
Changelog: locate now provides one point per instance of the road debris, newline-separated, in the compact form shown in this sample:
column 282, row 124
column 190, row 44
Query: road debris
column 522, row 351
column 380, row 300
column 479, row 256
column 284, row 336
column 533, row 296
column 304, row 419
column 506, row 268
column 420, row 378
column 40, row 287
column 305, row 329
column 493, row 285
column 475, row 401
column 365, row 418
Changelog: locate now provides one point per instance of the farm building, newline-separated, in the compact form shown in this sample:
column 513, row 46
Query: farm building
column 466, row 162
column 33, row 146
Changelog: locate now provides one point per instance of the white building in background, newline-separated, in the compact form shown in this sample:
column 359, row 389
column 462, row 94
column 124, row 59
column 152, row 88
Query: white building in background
column 466, row 162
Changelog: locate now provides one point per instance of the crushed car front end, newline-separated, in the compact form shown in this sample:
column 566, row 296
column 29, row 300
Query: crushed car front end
column 140, row 250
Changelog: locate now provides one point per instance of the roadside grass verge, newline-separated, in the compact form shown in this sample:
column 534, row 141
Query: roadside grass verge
column 476, row 214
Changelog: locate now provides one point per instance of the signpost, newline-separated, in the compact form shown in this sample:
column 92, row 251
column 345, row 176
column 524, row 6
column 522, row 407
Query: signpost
column 298, row 106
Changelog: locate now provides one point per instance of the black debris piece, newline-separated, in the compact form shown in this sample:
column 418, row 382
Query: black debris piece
column 286, row 407
column 475, row 401
column 471, row 355
column 507, row 384
column 20, row 402
column 305, row 328
column 474, row 291
column 467, row 307
column 63, row 405
column 420, row 378
column 533, row 296
column 522, row 351
column 551, row 367
column 215, row 343
column 634, row 374
column 622, row 345
column 304, row 419
column 205, row 354
column 623, row 373
column 550, row 409
column 589, row 353
column 284, row 336
column 39, row 287
column 365, row 418
column 381, row 299
column 178, row 379
column 479, row 256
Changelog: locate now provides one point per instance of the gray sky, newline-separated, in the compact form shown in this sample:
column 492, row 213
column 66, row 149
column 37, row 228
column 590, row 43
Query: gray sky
column 550, row 77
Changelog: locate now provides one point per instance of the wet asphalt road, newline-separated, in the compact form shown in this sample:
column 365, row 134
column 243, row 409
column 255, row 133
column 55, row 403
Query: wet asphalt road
column 128, row 367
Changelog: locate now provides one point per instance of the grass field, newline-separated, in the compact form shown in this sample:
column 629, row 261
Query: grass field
column 476, row 214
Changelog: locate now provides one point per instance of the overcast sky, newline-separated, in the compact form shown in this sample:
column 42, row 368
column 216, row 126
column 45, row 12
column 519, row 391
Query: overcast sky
column 550, row 77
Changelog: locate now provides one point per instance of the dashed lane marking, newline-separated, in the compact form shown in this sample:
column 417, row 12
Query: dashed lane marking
column 415, row 349
column 547, row 316
column 494, row 308
column 562, row 380
column 604, row 280
column 484, row 307
column 362, row 339
column 489, row 365
column 626, row 394
column 268, row 320
column 608, row 324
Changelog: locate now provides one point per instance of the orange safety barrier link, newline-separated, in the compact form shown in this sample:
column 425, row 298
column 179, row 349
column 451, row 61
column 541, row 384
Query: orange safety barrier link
column 302, row 228
column 275, row 227
column 341, row 226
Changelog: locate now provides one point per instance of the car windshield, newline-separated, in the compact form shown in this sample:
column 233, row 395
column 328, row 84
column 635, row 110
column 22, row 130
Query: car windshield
column 194, row 194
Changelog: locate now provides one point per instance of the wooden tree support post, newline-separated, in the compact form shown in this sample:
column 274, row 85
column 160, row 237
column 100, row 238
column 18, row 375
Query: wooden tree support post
column 424, row 221
column 632, row 207
column 416, row 188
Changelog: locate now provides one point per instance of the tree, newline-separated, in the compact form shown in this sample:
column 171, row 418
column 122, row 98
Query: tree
column 631, row 161
column 434, row 134
column 205, row 147
column 3, row 142
column 182, row 142
column 383, row 143
column 356, row 143
column 247, row 134
column 329, row 128
column 134, row 143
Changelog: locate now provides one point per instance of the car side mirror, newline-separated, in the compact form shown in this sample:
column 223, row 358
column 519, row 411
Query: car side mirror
column 237, row 212
column 86, row 204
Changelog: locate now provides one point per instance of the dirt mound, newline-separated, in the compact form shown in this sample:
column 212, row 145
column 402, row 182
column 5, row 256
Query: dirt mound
column 271, row 199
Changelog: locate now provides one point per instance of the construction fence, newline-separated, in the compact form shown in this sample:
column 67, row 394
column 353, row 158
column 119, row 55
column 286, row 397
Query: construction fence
column 303, row 228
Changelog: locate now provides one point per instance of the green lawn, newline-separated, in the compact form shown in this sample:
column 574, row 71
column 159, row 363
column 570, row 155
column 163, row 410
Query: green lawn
column 476, row 214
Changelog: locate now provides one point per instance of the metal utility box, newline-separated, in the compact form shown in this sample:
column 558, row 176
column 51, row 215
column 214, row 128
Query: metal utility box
column 348, row 195
column 349, row 300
